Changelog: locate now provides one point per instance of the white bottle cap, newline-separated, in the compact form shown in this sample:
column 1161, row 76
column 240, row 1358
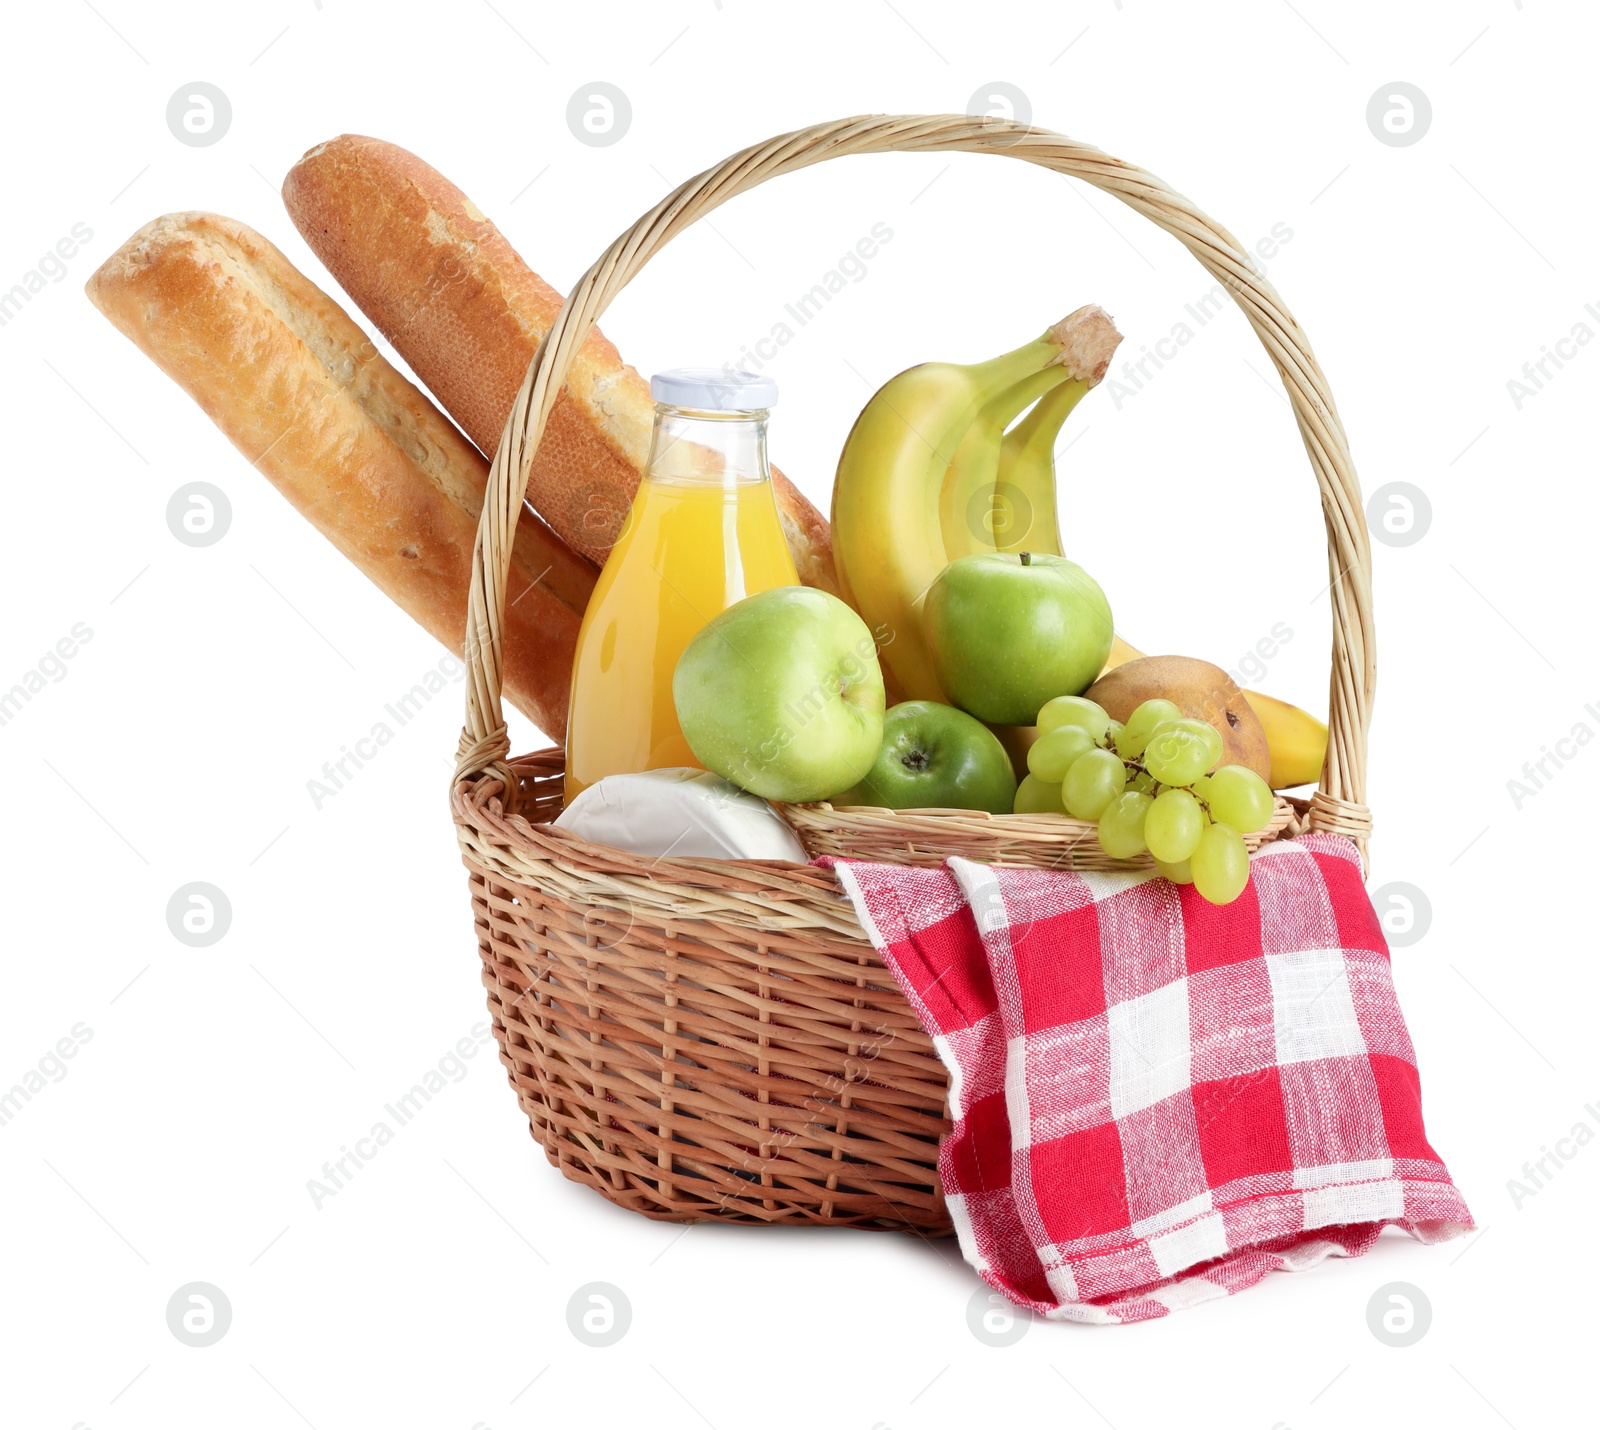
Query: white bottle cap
column 714, row 389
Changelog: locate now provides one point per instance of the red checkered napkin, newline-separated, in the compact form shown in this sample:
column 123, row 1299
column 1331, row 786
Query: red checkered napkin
column 1156, row 1101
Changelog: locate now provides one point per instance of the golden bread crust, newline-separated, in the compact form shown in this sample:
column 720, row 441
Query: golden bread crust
column 441, row 282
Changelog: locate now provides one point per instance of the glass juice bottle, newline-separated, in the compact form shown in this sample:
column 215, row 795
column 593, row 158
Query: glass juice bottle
column 703, row 533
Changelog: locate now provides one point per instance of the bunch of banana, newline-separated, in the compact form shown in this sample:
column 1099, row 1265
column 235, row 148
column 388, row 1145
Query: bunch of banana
column 948, row 460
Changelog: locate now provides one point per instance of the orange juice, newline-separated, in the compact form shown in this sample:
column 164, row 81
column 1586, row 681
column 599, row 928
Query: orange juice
column 703, row 533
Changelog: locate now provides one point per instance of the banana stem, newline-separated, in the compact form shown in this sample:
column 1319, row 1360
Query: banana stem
column 1079, row 347
column 983, row 437
column 993, row 378
column 1003, row 410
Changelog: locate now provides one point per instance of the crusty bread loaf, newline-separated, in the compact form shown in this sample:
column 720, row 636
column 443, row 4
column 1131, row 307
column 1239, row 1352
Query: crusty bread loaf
column 381, row 472
column 440, row 281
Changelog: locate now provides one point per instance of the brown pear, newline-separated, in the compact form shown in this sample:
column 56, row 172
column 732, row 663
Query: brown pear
column 1201, row 690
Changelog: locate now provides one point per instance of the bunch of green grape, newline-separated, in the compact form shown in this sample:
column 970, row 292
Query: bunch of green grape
column 1152, row 783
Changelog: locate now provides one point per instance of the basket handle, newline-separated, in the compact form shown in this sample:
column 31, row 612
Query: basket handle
column 1339, row 803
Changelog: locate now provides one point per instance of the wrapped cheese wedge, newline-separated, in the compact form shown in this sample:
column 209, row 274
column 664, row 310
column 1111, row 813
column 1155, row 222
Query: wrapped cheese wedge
column 682, row 814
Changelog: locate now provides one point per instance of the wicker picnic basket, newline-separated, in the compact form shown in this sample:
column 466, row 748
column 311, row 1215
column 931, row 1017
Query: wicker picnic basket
column 701, row 1039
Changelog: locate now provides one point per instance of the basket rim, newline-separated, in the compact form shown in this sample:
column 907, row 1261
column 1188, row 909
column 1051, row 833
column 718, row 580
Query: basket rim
column 479, row 802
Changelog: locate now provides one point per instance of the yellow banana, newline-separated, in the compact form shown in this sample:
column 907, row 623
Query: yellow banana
column 1297, row 742
column 976, row 508
column 1025, row 496
column 887, row 541
column 1121, row 653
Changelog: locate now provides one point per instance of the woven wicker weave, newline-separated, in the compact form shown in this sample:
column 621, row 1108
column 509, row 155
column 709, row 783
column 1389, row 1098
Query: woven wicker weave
column 717, row 1039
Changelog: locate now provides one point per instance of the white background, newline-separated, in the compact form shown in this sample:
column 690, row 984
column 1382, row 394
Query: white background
column 432, row 1290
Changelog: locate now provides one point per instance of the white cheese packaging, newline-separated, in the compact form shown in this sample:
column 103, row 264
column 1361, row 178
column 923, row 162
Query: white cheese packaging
column 681, row 813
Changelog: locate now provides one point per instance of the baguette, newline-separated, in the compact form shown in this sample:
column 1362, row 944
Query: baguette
column 298, row 388
column 439, row 280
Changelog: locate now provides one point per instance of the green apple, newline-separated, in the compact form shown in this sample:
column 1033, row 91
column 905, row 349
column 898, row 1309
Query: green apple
column 936, row 757
column 1011, row 630
column 782, row 694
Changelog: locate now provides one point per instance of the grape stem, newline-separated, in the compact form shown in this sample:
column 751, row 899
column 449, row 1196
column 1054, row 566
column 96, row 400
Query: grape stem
column 1138, row 766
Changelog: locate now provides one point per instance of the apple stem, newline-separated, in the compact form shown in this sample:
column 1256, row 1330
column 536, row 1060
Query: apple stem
column 1027, row 558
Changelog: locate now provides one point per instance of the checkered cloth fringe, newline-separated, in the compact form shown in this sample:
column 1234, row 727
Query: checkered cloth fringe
column 1155, row 1100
